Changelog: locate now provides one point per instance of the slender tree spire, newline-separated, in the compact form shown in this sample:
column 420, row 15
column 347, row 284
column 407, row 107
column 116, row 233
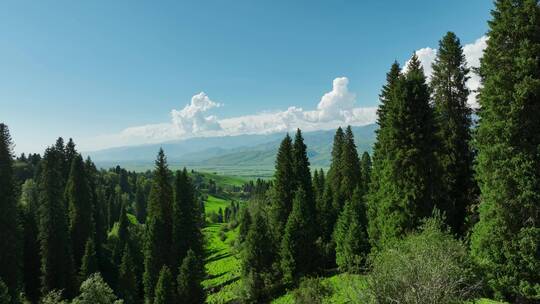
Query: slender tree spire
column 453, row 119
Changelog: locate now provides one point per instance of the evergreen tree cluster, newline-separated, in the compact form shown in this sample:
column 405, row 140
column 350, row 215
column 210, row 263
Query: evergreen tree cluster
column 66, row 222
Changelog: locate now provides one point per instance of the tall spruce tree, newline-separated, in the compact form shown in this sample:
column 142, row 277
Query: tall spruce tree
column 79, row 198
column 350, row 234
column 404, row 178
column 186, row 228
column 97, row 198
column 10, row 236
column 159, row 227
column 189, row 281
column 506, row 240
column 128, row 287
column 57, row 271
column 29, row 202
column 165, row 293
column 89, row 262
column 365, row 164
column 334, row 173
column 298, row 252
column 453, row 120
column 283, row 189
column 350, row 167
column 257, row 260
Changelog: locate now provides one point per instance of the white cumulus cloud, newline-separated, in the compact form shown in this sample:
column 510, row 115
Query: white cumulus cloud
column 336, row 108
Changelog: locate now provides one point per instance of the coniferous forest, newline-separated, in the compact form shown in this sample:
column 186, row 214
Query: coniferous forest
column 444, row 209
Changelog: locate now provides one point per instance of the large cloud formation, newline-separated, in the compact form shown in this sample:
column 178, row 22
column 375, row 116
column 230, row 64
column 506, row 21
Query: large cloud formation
column 336, row 108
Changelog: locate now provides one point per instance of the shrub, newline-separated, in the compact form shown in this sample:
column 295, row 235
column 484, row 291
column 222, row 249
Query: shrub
column 311, row 291
column 425, row 267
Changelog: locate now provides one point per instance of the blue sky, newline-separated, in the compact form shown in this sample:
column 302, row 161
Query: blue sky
column 92, row 70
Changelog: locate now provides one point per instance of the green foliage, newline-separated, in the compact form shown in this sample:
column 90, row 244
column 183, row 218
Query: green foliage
column 95, row 291
column 10, row 236
column 257, row 261
column 505, row 242
column 29, row 204
column 57, row 271
column 350, row 168
column 128, row 287
column 190, row 276
column 79, row 202
column 311, row 291
column 282, row 192
column 403, row 184
column 53, row 297
column 159, row 226
column 164, row 288
column 425, row 267
column 89, row 263
column 298, row 252
column 453, row 120
column 350, row 234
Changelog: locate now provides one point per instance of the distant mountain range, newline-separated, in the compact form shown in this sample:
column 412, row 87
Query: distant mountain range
column 252, row 155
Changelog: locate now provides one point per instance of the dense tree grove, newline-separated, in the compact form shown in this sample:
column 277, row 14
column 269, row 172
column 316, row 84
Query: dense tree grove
column 444, row 209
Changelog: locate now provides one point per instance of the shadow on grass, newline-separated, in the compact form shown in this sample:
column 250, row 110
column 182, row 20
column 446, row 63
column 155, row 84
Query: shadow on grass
column 217, row 288
column 218, row 257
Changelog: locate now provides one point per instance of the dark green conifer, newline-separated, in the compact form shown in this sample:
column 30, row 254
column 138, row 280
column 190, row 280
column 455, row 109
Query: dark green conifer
column 159, row 227
column 365, row 165
column 257, row 261
column 79, row 200
column 128, row 287
column 89, row 263
column 453, row 119
column 29, row 202
column 186, row 225
column 10, row 234
column 506, row 240
column 350, row 234
column 283, row 188
column 164, row 287
column 405, row 181
column 350, row 167
column 189, row 281
column 57, row 271
column 298, row 252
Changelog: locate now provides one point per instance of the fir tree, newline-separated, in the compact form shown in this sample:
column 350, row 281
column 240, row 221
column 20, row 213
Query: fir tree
column 245, row 224
column 350, row 234
column 123, row 236
column 257, row 260
column 10, row 236
column 159, row 227
column 128, row 286
column 365, row 164
column 29, row 202
column 140, row 204
column 186, row 230
column 405, row 183
column 78, row 196
column 506, row 240
column 189, row 281
column 89, row 263
column 57, row 271
column 350, row 167
column 334, row 173
column 453, row 119
column 298, row 251
column 164, row 287
column 283, row 186
column 302, row 174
